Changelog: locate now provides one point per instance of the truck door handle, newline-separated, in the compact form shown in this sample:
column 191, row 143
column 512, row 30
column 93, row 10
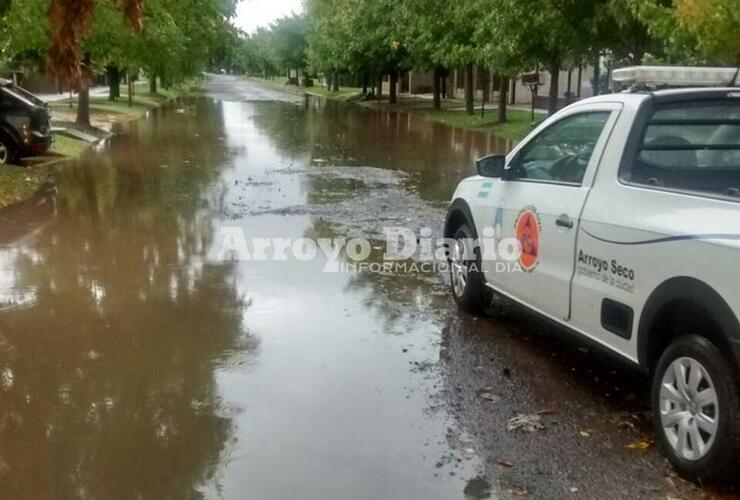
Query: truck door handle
column 564, row 221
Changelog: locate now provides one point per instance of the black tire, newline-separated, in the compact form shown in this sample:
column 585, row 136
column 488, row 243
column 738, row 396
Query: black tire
column 7, row 151
column 474, row 296
column 720, row 463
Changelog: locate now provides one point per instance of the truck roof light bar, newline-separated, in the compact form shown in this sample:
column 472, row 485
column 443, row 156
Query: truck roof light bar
column 675, row 76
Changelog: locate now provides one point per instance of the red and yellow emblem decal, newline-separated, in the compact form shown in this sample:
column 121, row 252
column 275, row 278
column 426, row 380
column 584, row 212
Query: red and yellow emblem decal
column 528, row 235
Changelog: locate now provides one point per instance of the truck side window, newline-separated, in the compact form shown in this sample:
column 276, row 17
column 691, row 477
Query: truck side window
column 691, row 146
column 560, row 153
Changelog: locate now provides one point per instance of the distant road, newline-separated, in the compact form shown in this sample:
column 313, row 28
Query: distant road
column 239, row 88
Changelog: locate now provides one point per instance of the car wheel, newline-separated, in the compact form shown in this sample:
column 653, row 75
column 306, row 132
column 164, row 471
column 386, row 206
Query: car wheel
column 466, row 275
column 7, row 155
column 696, row 407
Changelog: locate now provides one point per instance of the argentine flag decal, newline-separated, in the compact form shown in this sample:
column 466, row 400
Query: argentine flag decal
column 485, row 189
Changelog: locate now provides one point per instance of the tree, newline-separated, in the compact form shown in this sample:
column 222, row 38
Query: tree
column 70, row 22
column 326, row 52
column 715, row 24
column 501, row 47
column 456, row 47
column 27, row 33
column 693, row 31
column 424, row 28
column 289, row 42
column 358, row 36
column 171, row 39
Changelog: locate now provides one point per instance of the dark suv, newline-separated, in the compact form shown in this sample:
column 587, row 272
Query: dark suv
column 24, row 123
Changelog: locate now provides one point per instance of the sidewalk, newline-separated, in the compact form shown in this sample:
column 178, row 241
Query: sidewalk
column 99, row 91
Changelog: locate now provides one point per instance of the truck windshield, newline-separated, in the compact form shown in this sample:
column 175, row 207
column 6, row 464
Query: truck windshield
column 692, row 146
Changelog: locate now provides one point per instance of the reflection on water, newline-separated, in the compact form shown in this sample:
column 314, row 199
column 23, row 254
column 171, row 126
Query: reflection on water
column 110, row 322
column 133, row 367
column 437, row 155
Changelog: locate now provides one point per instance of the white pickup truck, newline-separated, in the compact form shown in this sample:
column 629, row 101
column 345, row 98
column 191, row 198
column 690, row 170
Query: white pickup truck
column 625, row 214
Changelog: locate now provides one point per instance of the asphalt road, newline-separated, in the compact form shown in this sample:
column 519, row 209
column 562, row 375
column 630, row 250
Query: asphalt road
column 142, row 360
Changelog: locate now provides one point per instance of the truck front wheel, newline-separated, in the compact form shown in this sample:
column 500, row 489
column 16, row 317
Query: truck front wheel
column 696, row 408
column 7, row 151
column 466, row 275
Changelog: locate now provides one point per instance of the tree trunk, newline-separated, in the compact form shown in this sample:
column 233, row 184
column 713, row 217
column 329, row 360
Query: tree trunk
column 469, row 98
column 335, row 82
column 552, row 104
column 83, row 107
column 153, row 83
column 504, row 87
column 364, row 84
column 443, row 74
column 379, row 93
column 113, row 75
column 597, row 75
column 393, row 99
column 512, row 97
column 437, row 78
column 130, row 90
column 487, row 84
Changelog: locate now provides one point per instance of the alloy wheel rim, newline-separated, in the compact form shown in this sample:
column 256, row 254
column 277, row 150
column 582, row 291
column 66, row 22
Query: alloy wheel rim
column 458, row 269
column 689, row 408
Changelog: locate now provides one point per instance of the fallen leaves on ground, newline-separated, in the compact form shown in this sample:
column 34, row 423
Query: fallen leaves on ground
column 518, row 492
column 504, row 463
column 640, row 445
column 526, row 423
column 486, row 394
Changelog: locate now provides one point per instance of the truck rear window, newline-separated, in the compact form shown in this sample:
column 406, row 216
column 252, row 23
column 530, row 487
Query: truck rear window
column 692, row 146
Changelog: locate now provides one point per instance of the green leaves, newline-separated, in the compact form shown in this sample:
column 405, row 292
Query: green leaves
column 692, row 31
column 179, row 38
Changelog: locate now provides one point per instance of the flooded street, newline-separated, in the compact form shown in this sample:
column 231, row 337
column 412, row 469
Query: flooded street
column 135, row 363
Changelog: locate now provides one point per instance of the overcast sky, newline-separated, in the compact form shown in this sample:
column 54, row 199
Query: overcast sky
column 251, row 14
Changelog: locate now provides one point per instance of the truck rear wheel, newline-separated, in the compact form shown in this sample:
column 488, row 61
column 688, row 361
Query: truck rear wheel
column 466, row 275
column 696, row 408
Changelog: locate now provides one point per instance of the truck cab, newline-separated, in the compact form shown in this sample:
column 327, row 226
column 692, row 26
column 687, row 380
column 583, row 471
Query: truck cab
column 622, row 216
column 25, row 123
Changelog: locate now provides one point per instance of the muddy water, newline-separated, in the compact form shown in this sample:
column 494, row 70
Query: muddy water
column 136, row 365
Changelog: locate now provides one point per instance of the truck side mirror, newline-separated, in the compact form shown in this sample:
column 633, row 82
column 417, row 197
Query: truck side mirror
column 491, row 165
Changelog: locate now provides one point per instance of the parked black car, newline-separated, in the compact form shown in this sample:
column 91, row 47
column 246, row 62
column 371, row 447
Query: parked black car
column 25, row 123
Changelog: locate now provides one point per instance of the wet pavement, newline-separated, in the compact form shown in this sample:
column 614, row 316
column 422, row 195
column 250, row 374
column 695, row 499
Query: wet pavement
column 137, row 364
